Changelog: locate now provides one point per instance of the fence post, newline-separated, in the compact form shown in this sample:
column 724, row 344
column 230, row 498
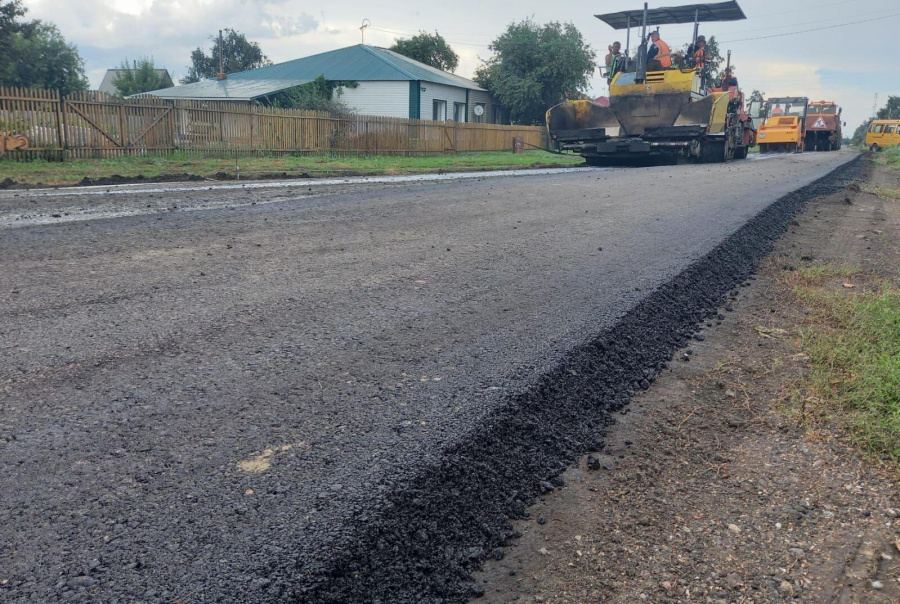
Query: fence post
column 123, row 124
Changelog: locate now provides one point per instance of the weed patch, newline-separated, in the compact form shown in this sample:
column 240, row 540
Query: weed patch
column 852, row 339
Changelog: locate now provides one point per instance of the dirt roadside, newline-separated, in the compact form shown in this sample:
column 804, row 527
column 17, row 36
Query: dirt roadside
column 708, row 490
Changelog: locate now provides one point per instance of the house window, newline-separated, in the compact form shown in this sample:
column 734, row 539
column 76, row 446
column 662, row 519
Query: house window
column 439, row 110
column 459, row 112
column 497, row 117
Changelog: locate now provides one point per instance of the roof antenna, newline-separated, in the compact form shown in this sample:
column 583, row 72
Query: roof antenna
column 362, row 30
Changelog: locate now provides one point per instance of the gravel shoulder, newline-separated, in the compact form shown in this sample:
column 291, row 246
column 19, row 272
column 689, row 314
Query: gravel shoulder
column 708, row 488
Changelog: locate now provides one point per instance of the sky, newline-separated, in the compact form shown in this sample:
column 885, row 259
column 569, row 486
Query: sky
column 850, row 58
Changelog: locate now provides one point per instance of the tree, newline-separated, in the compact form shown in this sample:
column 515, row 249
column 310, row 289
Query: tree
column 859, row 135
column 891, row 109
column 240, row 55
column 35, row 54
column 38, row 56
column 534, row 67
column 140, row 76
column 756, row 95
column 318, row 95
column 428, row 49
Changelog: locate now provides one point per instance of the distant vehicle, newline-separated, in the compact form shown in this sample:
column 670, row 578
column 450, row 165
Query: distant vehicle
column 882, row 134
column 823, row 127
column 784, row 127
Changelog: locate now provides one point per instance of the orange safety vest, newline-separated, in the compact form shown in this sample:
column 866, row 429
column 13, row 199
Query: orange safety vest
column 700, row 57
column 664, row 56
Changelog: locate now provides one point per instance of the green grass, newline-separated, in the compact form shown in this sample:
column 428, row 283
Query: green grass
column 853, row 346
column 71, row 172
column 890, row 157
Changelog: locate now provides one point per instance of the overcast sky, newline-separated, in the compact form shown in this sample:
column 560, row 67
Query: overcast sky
column 850, row 61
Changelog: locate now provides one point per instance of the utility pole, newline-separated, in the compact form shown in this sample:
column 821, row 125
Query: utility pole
column 362, row 30
column 875, row 105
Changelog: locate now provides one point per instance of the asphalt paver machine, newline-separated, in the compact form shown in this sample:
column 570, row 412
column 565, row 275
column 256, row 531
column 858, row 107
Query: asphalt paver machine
column 658, row 114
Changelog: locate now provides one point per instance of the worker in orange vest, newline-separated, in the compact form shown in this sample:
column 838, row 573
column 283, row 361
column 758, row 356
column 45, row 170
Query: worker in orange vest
column 699, row 52
column 659, row 50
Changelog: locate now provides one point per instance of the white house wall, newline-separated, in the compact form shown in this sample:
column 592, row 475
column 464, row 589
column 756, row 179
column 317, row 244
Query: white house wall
column 379, row 98
column 440, row 92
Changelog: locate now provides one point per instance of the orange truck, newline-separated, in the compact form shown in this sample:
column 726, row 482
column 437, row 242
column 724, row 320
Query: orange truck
column 823, row 127
column 784, row 125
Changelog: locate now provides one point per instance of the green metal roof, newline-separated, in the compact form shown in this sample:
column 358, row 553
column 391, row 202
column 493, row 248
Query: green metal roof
column 355, row 63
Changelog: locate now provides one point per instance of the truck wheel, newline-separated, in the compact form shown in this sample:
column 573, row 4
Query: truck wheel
column 763, row 148
column 740, row 153
column 712, row 153
column 875, row 148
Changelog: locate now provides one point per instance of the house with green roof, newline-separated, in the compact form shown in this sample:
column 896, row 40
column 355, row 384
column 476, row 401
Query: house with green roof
column 387, row 84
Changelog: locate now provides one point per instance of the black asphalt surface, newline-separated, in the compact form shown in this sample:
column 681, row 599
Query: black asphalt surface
column 338, row 394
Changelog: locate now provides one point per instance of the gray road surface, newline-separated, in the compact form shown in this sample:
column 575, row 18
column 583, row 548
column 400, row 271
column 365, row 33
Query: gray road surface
column 198, row 383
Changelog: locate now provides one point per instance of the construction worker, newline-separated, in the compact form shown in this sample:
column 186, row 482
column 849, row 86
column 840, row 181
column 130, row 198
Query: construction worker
column 777, row 110
column 728, row 79
column 698, row 51
column 658, row 51
column 615, row 61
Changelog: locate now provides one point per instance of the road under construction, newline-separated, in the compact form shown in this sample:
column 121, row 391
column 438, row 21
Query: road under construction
column 339, row 393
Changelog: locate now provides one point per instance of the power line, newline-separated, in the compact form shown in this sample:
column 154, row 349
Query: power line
column 747, row 31
column 801, row 10
column 401, row 33
column 794, row 33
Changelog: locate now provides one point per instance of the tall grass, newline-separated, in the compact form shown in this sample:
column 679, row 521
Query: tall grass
column 854, row 351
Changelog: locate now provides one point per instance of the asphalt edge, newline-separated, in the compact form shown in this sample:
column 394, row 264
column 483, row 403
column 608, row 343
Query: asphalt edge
column 431, row 532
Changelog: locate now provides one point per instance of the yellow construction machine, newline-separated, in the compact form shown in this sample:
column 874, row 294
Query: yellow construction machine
column 784, row 128
column 658, row 114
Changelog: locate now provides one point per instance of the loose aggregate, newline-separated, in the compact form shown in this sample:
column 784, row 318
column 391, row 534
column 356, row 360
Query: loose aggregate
column 96, row 505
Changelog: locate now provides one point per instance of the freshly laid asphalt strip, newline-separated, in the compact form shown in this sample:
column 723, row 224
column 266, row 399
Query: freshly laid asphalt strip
column 343, row 398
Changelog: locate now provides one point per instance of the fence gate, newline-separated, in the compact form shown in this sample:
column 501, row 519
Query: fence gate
column 450, row 137
column 102, row 125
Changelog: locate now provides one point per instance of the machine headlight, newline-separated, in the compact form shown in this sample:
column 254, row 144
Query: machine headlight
column 762, row 135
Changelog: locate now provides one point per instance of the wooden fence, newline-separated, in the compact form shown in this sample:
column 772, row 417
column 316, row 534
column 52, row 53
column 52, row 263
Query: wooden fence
column 97, row 125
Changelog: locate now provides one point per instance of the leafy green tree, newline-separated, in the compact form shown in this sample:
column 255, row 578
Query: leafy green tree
column 756, row 95
column 859, row 135
column 9, row 12
column 240, row 55
column 35, row 54
column 891, row 109
column 38, row 56
column 318, row 95
column 534, row 67
column 429, row 49
column 140, row 76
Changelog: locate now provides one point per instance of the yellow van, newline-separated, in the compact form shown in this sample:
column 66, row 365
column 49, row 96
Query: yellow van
column 883, row 133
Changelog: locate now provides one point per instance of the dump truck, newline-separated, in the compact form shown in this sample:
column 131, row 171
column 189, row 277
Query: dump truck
column 823, row 127
column 784, row 128
column 658, row 114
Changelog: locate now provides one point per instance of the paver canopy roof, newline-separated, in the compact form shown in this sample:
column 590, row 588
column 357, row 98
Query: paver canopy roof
column 669, row 15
